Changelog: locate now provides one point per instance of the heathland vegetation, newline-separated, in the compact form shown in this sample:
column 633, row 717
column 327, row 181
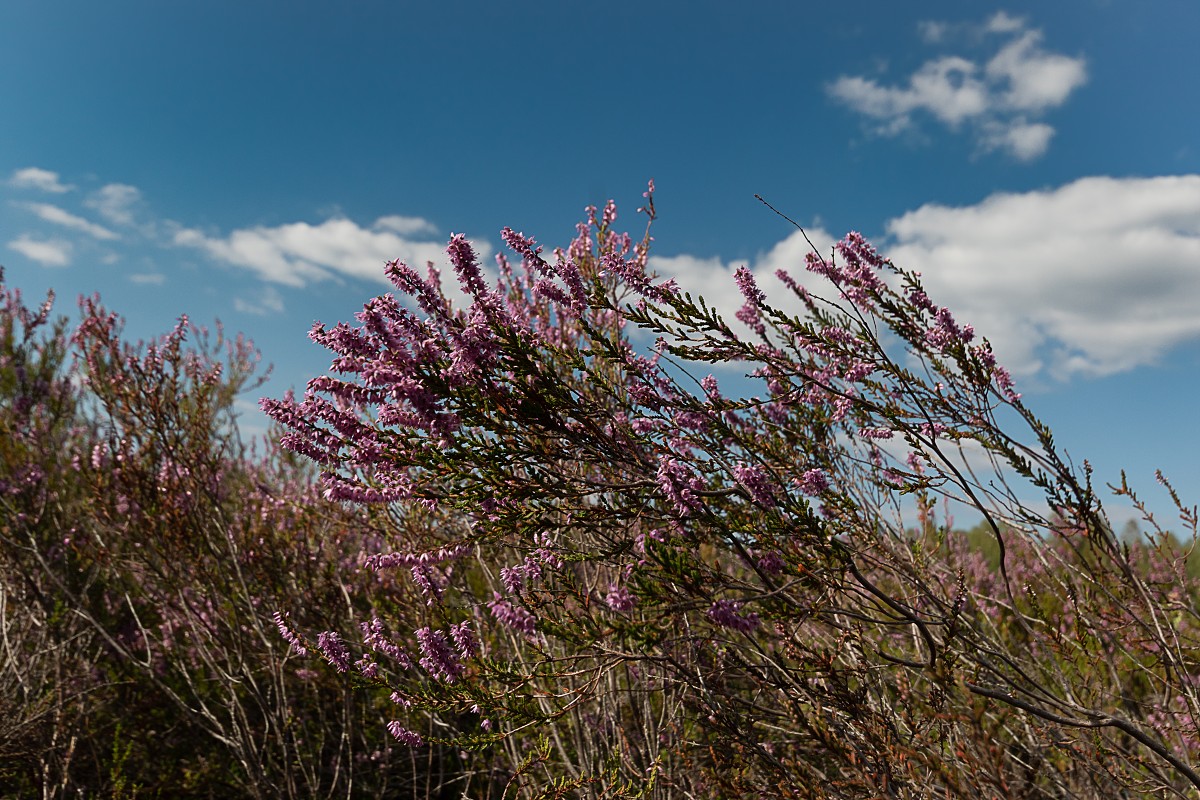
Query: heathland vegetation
column 525, row 544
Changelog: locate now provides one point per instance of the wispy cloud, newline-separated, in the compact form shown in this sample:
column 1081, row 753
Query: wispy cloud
column 999, row 99
column 1023, row 140
column 59, row 216
column 295, row 254
column 1003, row 22
column 932, row 31
column 40, row 179
column 405, row 226
column 69, row 234
column 115, row 202
column 266, row 301
column 299, row 253
column 47, row 252
column 148, row 278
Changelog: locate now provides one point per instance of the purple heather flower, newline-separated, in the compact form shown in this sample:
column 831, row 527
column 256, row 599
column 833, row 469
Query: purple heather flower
column 921, row 301
column 367, row 667
column 403, row 735
column 373, row 637
column 728, row 614
column 770, row 562
column 838, row 335
column 933, row 430
column 427, row 583
column 516, row 617
column 678, row 484
column 749, row 314
column 287, row 633
column 436, row 656
column 391, row 560
column 748, row 286
column 987, row 359
column 610, row 213
column 1005, row 382
column 858, row 371
column 639, row 541
column 466, row 265
column 334, row 650
column 619, row 598
column 813, row 482
column 757, row 482
column 513, row 578
column 464, row 639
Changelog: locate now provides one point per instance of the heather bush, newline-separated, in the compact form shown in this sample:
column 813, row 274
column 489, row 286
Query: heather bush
column 143, row 549
column 633, row 582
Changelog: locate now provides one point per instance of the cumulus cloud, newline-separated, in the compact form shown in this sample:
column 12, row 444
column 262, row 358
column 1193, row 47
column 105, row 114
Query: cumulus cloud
column 298, row 253
column 115, row 202
column 58, row 216
column 35, row 178
column 47, row 252
column 1090, row 278
column 998, row 99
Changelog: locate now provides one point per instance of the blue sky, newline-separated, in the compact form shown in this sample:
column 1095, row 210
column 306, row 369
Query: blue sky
column 257, row 162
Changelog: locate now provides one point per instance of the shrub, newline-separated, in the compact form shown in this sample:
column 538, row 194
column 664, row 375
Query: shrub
column 143, row 549
column 636, row 584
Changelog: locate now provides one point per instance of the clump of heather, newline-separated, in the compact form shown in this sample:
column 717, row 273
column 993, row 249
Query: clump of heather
column 143, row 550
column 671, row 592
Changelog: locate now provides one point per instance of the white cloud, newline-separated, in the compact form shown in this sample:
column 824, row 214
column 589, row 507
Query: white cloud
column 947, row 88
column 932, row 31
column 298, row 253
column 1094, row 277
column 1091, row 278
column 47, row 252
column 1036, row 80
column 406, row 226
column 115, row 202
column 266, row 301
column 712, row 278
column 58, row 216
column 996, row 98
column 1023, row 140
column 35, row 178
column 1001, row 22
